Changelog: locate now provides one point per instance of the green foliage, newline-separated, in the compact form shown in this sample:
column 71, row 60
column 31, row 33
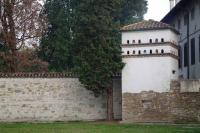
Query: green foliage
column 80, row 127
column 84, row 35
column 97, row 51
column 56, row 43
column 3, row 48
column 132, row 11
column 3, row 65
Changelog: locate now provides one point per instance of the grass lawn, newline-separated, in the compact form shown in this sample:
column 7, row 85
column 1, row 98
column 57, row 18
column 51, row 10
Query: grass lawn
column 79, row 127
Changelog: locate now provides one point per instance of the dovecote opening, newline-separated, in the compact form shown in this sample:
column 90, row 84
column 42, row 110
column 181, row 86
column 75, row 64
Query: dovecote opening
column 150, row 41
column 156, row 51
column 150, row 52
column 156, row 41
column 162, row 40
column 128, row 41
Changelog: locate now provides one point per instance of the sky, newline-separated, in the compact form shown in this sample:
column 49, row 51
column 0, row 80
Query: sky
column 157, row 9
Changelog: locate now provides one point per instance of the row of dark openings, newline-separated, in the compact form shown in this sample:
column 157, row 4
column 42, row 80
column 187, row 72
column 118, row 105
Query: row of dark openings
column 145, row 52
column 150, row 41
column 185, row 18
column 185, row 55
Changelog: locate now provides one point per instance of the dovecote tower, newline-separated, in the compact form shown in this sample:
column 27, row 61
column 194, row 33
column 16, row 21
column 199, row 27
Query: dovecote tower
column 150, row 54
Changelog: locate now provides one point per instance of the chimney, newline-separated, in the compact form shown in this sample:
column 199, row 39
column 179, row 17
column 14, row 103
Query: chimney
column 177, row 1
column 172, row 4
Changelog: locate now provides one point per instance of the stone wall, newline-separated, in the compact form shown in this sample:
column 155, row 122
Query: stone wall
column 174, row 106
column 50, row 99
column 189, row 85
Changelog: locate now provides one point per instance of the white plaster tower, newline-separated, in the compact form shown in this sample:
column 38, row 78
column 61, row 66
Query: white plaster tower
column 150, row 54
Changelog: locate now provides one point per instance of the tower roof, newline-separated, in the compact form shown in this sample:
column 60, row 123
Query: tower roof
column 147, row 25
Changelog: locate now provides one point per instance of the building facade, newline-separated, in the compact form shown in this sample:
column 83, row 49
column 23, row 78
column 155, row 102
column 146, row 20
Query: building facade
column 185, row 17
column 150, row 54
column 151, row 89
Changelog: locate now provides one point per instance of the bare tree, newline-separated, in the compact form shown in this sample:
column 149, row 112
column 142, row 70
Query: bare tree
column 29, row 22
column 21, row 25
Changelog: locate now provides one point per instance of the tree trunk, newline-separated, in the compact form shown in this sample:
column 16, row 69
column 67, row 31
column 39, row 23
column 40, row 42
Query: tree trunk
column 9, row 34
column 110, row 115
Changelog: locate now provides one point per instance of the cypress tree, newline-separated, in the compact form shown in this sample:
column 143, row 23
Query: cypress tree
column 96, row 48
column 55, row 47
column 84, row 34
column 132, row 11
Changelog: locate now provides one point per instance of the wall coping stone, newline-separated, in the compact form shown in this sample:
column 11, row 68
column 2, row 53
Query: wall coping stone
column 45, row 75
column 39, row 75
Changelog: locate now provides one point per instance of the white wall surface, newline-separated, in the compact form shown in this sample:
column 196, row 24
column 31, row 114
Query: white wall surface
column 144, row 36
column 145, row 74
column 167, row 49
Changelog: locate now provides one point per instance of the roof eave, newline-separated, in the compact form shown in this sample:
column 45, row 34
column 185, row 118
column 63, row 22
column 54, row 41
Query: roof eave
column 151, row 29
column 173, row 11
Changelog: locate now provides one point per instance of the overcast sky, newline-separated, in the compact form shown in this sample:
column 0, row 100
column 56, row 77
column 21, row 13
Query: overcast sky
column 157, row 9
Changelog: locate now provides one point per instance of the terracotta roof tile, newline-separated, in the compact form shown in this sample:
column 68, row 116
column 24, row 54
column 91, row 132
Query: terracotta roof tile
column 147, row 25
